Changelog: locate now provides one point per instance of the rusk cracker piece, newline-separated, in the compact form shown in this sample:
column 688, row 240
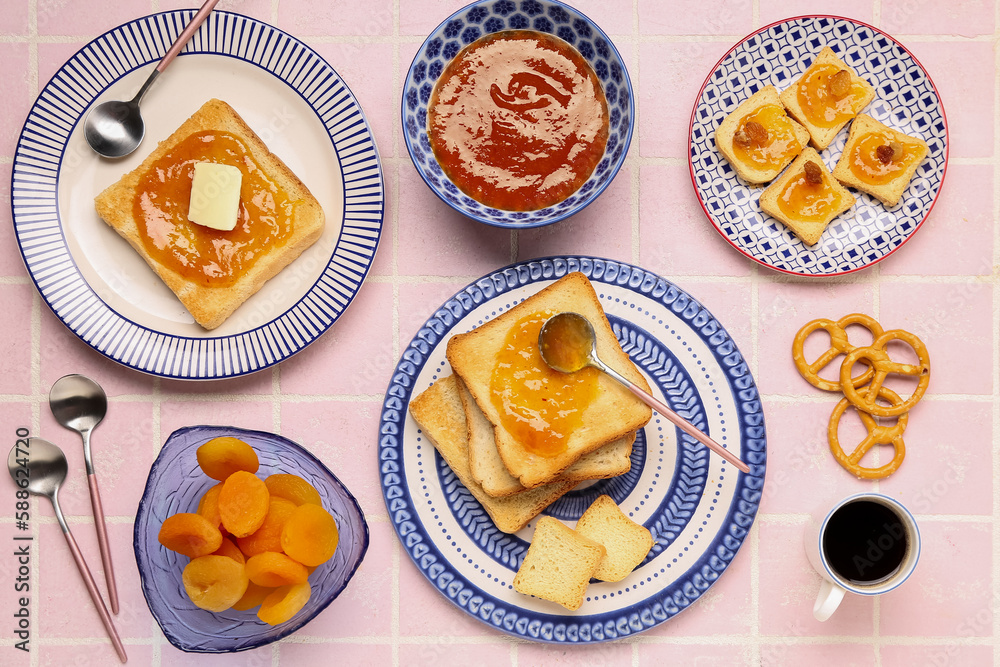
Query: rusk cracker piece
column 879, row 160
column 626, row 542
column 211, row 305
column 613, row 414
column 559, row 564
column 817, row 84
column 487, row 467
column 759, row 158
column 803, row 206
column 438, row 411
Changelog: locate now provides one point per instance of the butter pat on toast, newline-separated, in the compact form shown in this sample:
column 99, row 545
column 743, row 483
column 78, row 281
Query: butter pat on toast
column 212, row 271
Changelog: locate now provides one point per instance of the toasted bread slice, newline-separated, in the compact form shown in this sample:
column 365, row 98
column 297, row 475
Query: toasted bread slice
column 899, row 170
column 781, row 130
column 487, row 467
column 559, row 564
column 438, row 411
column 211, row 305
column 860, row 90
column 772, row 200
column 613, row 414
column 626, row 542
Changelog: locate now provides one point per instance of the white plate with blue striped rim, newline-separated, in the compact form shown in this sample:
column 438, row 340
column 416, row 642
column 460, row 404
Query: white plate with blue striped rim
column 99, row 286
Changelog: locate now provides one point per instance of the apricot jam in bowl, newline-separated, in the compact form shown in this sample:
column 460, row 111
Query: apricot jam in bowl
column 517, row 113
column 175, row 484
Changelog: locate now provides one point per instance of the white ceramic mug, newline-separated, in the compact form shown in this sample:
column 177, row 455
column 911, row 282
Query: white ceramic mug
column 875, row 547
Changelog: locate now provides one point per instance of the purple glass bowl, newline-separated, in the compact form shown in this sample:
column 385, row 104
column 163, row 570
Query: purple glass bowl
column 176, row 483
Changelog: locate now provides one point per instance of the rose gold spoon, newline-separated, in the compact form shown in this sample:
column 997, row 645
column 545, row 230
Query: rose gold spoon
column 115, row 129
column 568, row 343
column 41, row 470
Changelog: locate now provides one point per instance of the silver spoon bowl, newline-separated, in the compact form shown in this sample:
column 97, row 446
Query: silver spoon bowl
column 567, row 343
column 41, row 468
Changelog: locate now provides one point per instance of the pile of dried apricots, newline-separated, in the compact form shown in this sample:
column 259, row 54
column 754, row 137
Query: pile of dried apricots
column 251, row 542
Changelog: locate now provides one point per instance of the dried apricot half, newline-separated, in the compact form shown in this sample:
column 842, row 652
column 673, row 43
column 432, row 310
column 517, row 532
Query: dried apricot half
column 282, row 604
column 215, row 582
column 310, row 535
column 208, row 506
column 221, row 457
column 274, row 569
column 268, row 536
column 294, row 488
column 252, row 598
column 230, row 550
column 190, row 534
column 243, row 503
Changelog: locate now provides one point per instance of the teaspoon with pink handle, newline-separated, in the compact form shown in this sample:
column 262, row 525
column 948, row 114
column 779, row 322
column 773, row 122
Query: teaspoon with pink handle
column 41, row 468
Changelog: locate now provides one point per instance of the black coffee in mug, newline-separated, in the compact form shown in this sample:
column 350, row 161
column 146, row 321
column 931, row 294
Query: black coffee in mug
column 865, row 542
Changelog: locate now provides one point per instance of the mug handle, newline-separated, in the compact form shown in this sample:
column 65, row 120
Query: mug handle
column 830, row 595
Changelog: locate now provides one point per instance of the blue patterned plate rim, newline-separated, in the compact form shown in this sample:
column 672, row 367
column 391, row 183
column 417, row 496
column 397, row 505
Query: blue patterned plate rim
column 697, row 104
column 212, row 431
column 590, row 197
column 177, row 356
column 572, row 628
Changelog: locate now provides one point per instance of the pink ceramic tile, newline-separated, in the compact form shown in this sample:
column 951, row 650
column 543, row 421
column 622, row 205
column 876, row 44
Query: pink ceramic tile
column 318, row 655
column 354, row 356
column 730, row 304
column 242, row 414
column 15, row 351
column 787, row 307
column 53, row 56
column 87, row 655
column 16, row 570
column 364, row 609
column 425, row 610
column 957, row 237
column 14, row 18
column 818, row 655
column 371, row 85
column 72, row 18
column 955, row 322
column 261, row 382
column 671, row 74
column 772, row 11
column 942, row 473
column 694, row 17
column 260, row 657
column 417, row 303
column 318, row 17
column 695, row 655
column 613, row 16
column 446, row 652
column 122, row 446
column 789, row 586
column 675, row 235
column 968, row 18
column 344, row 436
column 730, row 598
column 65, row 607
column 603, row 229
column 258, row 9
column 420, row 17
column 436, row 240
column 952, row 578
column 611, row 654
column 17, row 97
column 801, row 471
column 964, row 75
column 935, row 656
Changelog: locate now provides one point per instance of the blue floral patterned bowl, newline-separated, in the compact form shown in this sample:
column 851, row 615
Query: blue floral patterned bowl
column 175, row 485
column 481, row 18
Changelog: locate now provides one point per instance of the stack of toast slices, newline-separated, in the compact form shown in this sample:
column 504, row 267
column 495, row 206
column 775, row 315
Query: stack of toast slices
column 513, row 483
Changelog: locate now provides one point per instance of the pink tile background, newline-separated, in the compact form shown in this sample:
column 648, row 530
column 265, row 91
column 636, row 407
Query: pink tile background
column 943, row 285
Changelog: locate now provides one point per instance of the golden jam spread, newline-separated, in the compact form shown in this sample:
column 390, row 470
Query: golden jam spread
column 819, row 105
column 518, row 120
column 809, row 202
column 540, row 407
column 781, row 140
column 209, row 257
column 866, row 165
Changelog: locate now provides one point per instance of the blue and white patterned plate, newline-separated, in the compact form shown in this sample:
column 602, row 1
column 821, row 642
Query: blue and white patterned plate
column 488, row 16
column 905, row 100
column 698, row 508
column 99, row 286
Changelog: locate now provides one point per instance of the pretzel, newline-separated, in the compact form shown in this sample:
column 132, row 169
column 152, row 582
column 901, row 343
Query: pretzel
column 839, row 344
column 878, row 359
column 877, row 435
